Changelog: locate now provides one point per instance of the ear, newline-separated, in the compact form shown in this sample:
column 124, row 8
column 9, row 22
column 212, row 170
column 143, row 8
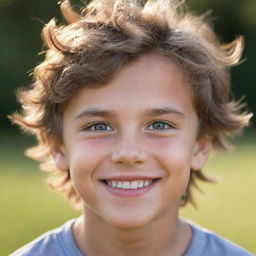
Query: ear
column 201, row 153
column 60, row 158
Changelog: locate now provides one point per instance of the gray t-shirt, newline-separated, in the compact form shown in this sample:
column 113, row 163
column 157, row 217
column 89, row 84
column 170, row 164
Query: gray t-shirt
column 60, row 242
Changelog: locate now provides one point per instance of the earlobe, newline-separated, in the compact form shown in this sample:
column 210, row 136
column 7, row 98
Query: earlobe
column 60, row 158
column 200, row 155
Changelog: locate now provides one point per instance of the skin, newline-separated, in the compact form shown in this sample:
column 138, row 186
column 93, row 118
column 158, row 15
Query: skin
column 132, row 142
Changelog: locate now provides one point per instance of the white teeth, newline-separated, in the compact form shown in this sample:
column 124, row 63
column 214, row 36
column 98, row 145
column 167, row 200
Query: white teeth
column 146, row 183
column 140, row 183
column 134, row 184
column 126, row 185
column 129, row 184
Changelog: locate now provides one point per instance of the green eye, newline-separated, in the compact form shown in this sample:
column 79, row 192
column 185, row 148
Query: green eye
column 160, row 126
column 99, row 127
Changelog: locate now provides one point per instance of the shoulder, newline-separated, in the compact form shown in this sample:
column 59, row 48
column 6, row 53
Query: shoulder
column 206, row 242
column 51, row 243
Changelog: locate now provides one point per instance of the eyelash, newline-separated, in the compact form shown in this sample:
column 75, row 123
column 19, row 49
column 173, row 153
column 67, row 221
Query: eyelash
column 162, row 122
column 89, row 127
column 93, row 125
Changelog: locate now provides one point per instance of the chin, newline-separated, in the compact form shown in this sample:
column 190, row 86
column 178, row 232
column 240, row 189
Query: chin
column 128, row 224
column 129, row 221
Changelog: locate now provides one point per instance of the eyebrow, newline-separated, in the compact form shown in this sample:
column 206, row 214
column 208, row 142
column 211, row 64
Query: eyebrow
column 165, row 111
column 92, row 112
column 95, row 112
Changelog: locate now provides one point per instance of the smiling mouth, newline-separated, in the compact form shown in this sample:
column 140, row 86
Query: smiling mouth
column 128, row 185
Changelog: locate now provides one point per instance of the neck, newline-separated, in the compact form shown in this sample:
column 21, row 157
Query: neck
column 164, row 236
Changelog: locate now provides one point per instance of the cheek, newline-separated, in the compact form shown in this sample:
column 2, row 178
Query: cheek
column 86, row 157
column 175, row 155
column 175, row 160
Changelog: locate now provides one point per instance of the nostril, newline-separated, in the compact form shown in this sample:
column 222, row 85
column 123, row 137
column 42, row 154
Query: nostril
column 129, row 157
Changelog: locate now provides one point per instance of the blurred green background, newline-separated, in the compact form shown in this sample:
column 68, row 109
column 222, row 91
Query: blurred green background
column 28, row 208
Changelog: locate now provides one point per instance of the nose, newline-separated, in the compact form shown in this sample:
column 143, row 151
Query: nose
column 129, row 153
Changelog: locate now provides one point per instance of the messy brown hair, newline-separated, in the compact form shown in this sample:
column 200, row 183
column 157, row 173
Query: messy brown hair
column 98, row 41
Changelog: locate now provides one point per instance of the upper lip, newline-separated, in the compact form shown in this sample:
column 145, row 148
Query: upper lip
column 129, row 178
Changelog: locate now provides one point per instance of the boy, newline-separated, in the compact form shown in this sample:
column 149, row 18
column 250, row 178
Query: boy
column 128, row 103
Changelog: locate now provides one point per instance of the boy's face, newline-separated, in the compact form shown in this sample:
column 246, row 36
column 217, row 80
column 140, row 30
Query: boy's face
column 140, row 127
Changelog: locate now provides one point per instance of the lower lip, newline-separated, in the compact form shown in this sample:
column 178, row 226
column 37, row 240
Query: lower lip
column 130, row 192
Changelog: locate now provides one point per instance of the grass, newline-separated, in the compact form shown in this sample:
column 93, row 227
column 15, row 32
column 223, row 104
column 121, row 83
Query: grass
column 29, row 208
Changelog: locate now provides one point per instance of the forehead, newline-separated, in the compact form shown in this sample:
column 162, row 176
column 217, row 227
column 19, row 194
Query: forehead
column 149, row 81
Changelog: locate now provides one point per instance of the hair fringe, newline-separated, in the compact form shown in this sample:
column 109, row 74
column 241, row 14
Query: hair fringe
column 68, row 13
column 49, row 37
column 233, row 51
